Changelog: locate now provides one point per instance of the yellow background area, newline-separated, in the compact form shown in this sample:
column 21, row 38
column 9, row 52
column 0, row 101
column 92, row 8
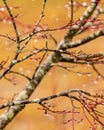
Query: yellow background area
column 27, row 13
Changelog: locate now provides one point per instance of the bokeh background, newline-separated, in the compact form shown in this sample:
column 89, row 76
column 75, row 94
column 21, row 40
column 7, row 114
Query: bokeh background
column 27, row 12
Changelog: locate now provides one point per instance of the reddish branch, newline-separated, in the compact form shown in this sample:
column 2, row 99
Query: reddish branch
column 88, row 101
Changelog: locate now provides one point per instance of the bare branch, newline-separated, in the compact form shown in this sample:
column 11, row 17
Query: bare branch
column 89, row 102
column 83, row 41
column 41, row 100
column 13, row 21
column 88, row 12
column 21, row 74
column 83, row 58
column 71, row 12
column 41, row 16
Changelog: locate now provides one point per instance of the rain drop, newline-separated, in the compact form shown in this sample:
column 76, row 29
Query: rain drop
column 35, row 40
column 64, row 75
column 83, row 85
column 20, row 69
column 2, row 9
column 9, row 22
column 28, row 71
column 50, row 116
column 95, row 81
column 49, row 73
column 89, row 74
column 99, row 77
column 84, row 4
column 57, row 19
column 79, row 74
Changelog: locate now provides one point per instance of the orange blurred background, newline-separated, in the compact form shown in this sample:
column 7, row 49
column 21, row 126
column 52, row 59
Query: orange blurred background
column 58, row 79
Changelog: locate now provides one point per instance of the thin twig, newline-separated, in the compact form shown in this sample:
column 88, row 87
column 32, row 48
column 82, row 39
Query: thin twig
column 13, row 21
column 71, row 12
column 41, row 16
column 96, row 70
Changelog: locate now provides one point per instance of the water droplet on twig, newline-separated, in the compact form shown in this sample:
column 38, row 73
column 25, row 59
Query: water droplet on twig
column 79, row 74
